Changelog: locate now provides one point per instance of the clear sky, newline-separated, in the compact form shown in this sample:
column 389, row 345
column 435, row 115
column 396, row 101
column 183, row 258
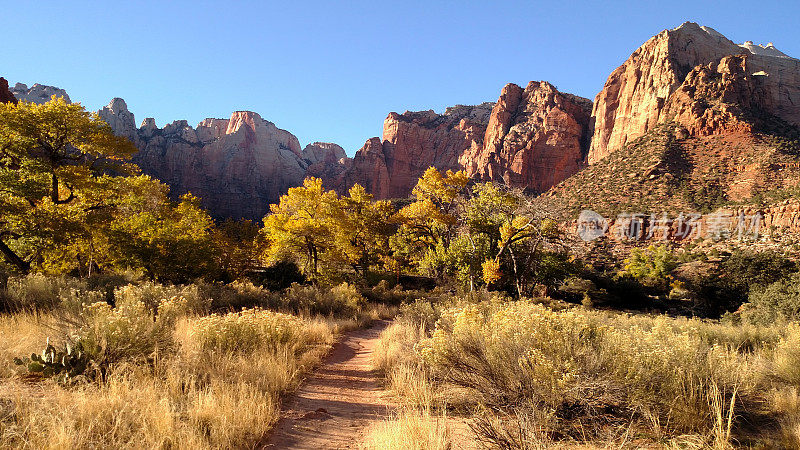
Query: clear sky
column 331, row 71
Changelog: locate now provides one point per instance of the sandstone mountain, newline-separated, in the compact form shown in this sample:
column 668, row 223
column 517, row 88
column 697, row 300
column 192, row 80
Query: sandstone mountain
column 6, row 96
column 237, row 166
column 37, row 93
column 659, row 83
column 692, row 122
column 689, row 120
column 531, row 138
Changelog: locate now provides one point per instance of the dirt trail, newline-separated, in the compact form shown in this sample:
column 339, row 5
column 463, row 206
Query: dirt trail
column 338, row 402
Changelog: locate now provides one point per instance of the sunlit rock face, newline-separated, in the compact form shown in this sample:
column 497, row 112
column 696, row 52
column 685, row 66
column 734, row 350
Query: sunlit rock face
column 670, row 77
column 237, row 166
column 38, row 93
column 531, row 138
column 536, row 137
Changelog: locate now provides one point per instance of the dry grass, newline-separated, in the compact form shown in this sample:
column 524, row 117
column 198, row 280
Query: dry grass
column 411, row 430
column 172, row 375
column 191, row 397
column 538, row 378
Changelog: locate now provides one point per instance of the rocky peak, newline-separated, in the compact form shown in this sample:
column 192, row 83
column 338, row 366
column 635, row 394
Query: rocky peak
column 477, row 113
column 535, row 138
column 633, row 99
column 764, row 50
column 121, row 120
column 326, row 152
column 38, row 93
column 148, row 127
column 210, row 129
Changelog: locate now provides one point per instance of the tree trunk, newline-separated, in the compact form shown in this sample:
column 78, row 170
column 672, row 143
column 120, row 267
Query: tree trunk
column 14, row 259
column 54, row 189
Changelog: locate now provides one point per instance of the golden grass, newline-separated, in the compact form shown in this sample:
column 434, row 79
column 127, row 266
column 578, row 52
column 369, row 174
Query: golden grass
column 189, row 398
column 410, row 430
column 576, row 378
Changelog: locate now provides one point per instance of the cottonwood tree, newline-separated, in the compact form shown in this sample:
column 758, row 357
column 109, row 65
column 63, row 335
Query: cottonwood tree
column 55, row 161
column 429, row 223
column 301, row 224
column 361, row 229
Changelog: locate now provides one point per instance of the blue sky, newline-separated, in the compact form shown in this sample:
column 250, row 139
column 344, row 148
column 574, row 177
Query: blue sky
column 332, row 71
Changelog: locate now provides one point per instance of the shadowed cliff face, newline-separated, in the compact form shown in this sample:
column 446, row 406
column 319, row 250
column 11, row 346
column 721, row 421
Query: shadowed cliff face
column 5, row 94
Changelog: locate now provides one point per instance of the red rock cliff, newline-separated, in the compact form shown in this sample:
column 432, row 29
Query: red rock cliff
column 638, row 95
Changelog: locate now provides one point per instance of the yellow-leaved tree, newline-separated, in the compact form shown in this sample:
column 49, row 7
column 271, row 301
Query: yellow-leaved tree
column 362, row 228
column 55, row 163
column 301, row 224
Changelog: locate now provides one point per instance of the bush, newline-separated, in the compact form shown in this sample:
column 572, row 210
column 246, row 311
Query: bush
column 343, row 300
column 250, row 329
column 151, row 295
column 38, row 292
column 571, row 374
column 745, row 269
column 651, row 266
column 777, row 302
column 130, row 330
column 239, row 295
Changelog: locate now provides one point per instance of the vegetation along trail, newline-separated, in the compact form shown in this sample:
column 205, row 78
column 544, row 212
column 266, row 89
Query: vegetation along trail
column 339, row 401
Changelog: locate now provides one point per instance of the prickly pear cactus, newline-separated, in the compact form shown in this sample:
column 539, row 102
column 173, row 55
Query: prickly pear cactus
column 66, row 363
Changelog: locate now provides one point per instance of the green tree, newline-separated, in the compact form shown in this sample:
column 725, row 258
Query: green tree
column 169, row 241
column 429, row 223
column 55, row 161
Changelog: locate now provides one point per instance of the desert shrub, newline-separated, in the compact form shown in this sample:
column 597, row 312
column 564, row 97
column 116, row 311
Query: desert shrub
column 396, row 295
column 343, row 300
column 249, row 329
column 238, row 295
column 38, row 292
column 151, row 295
column 651, row 266
column 130, row 330
column 421, row 313
column 108, row 282
column 396, row 345
column 582, row 290
column 745, row 269
column 73, row 301
column 573, row 373
column 777, row 302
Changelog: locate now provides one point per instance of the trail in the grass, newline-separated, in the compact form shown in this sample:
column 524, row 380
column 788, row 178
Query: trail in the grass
column 338, row 402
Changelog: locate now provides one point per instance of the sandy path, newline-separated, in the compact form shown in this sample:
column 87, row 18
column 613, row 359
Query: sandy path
column 336, row 403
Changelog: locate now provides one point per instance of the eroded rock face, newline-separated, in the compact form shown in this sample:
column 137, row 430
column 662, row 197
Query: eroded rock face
column 535, row 138
column 638, row 95
column 5, row 94
column 38, row 93
column 237, row 166
column 530, row 138
column 325, row 152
